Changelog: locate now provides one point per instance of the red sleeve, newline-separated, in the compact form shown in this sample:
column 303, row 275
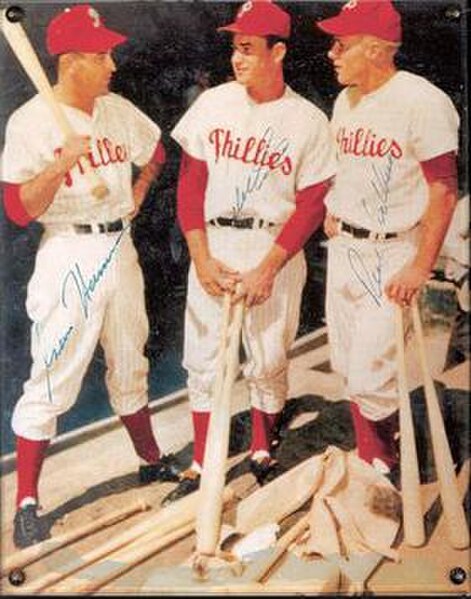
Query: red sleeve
column 159, row 155
column 191, row 191
column 441, row 168
column 14, row 208
column 307, row 217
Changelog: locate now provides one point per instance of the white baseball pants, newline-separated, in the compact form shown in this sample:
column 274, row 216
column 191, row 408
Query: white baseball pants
column 85, row 289
column 360, row 318
column 268, row 330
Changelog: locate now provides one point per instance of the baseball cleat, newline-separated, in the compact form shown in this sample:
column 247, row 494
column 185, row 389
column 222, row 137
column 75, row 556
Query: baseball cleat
column 264, row 470
column 28, row 528
column 189, row 482
column 165, row 470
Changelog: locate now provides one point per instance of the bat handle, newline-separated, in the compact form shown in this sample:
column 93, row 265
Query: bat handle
column 413, row 522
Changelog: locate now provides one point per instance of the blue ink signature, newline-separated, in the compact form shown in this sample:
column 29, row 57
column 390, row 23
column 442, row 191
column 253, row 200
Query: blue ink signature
column 54, row 354
column 85, row 288
column 259, row 174
column 380, row 185
column 370, row 279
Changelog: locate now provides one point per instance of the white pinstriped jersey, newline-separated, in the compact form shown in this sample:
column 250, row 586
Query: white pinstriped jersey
column 121, row 135
column 380, row 144
column 258, row 155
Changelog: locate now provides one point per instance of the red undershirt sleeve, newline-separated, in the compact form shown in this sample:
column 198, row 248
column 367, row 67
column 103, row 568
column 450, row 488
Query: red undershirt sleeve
column 441, row 168
column 191, row 191
column 14, row 208
column 159, row 155
column 307, row 217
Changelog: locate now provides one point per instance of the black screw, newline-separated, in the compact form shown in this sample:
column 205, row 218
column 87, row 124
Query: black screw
column 15, row 14
column 457, row 575
column 17, row 577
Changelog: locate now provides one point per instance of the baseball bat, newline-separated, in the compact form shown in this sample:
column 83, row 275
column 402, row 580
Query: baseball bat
column 281, row 548
column 25, row 53
column 123, row 561
column 36, row 552
column 458, row 533
column 208, row 519
column 171, row 517
column 412, row 514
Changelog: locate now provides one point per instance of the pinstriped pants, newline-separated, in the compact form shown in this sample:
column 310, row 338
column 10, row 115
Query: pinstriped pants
column 268, row 330
column 85, row 289
column 360, row 318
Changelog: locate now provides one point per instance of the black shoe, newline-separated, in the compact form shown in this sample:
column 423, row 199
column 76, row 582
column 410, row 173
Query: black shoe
column 264, row 470
column 28, row 528
column 165, row 470
column 189, row 482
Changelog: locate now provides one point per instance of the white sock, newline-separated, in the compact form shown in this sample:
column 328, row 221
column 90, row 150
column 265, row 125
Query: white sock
column 28, row 501
column 196, row 467
column 260, row 454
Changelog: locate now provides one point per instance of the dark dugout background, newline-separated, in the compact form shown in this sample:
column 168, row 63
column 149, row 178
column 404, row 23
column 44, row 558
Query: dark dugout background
column 171, row 45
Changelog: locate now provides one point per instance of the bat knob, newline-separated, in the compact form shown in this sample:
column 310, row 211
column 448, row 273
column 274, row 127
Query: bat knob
column 200, row 567
column 100, row 191
column 14, row 14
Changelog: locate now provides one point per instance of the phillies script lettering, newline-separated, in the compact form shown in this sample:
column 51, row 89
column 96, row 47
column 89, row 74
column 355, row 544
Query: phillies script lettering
column 106, row 153
column 363, row 142
column 257, row 152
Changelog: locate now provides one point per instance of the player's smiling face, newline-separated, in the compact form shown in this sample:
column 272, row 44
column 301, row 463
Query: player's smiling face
column 347, row 54
column 252, row 60
column 94, row 72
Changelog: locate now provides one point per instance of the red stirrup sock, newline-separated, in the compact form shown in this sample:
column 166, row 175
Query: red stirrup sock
column 200, row 431
column 263, row 425
column 29, row 460
column 140, row 430
column 376, row 439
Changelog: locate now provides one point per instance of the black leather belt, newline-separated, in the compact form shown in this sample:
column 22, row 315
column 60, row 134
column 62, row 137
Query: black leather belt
column 112, row 227
column 360, row 233
column 241, row 223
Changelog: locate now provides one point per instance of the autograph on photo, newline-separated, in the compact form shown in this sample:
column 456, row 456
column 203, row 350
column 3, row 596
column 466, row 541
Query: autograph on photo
column 380, row 185
column 259, row 173
column 371, row 279
column 84, row 288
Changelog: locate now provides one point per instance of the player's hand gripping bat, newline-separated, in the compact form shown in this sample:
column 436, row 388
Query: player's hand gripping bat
column 25, row 53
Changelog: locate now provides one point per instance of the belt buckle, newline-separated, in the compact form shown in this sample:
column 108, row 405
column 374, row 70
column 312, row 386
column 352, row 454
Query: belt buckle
column 240, row 223
column 82, row 228
column 378, row 236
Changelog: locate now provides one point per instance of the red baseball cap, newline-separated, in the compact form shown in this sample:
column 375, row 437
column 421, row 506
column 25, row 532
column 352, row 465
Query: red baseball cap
column 365, row 17
column 80, row 29
column 258, row 17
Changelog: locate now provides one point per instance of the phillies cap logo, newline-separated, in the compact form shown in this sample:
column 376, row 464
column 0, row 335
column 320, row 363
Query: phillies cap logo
column 94, row 16
column 246, row 7
column 351, row 4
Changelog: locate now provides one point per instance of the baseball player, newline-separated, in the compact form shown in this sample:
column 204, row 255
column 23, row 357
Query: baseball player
column 256, row 163
column 387, row 214
column 87, row 286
